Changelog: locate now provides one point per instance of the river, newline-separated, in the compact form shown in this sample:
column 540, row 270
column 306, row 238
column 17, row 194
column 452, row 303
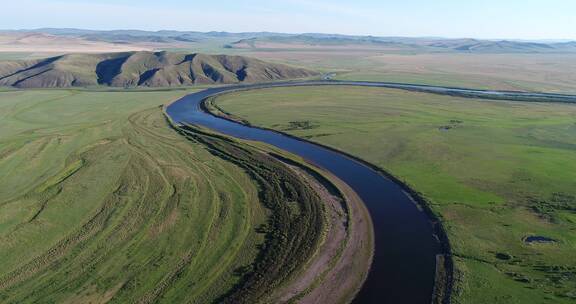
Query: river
column 404, row 265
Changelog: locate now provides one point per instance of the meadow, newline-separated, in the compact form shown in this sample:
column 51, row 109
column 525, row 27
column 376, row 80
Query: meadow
column 495, row 172
column 103, row 200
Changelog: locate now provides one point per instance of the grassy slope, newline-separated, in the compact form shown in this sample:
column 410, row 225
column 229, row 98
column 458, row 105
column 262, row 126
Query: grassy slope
column 150, row 69
column 500, row 171
column 100, row 200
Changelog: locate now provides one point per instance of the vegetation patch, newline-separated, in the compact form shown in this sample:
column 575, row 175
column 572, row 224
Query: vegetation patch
column 295, row 223
column 557, row 202
column 454, row 123
column 300, row 125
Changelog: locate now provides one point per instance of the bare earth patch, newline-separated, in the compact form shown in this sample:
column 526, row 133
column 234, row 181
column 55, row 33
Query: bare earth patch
column 44, row 43
column 341, row 264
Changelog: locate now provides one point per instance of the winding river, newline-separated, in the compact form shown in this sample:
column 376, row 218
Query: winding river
column 404, row 265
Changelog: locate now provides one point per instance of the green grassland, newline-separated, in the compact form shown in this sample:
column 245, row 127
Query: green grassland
column 101, row 200
column 495, row 172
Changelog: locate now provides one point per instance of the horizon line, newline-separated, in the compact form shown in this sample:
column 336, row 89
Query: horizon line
column 285, row 33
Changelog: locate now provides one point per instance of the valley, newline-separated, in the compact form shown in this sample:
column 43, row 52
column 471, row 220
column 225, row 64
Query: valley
column 463, row 156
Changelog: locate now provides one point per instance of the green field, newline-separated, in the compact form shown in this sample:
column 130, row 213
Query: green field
column 102, row 201
column 495, row 172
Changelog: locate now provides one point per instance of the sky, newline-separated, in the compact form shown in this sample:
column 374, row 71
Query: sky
column 489, row 19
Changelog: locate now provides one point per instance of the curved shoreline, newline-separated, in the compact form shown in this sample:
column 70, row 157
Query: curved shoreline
column 408, row 238
column 335, row 282
column 446, row 283
column 417, row 198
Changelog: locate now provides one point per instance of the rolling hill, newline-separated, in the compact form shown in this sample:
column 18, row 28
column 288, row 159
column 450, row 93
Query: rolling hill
column 501, row 46
column 321, row 41
column 94, row 41
column 404, row 43
column 149, row 39
column 150, row 69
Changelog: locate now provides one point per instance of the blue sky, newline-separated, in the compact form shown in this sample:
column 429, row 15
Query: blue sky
column 519, row 19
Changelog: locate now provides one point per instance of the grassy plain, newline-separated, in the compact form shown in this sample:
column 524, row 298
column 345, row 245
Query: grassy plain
column 102, row 201
column 494, row 171
column 522, row 72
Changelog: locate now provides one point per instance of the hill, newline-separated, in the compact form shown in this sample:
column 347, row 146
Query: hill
column 320, row 40
column 501, row 46
column 146, row 40
column 402, row 43
column 151, row 69
column 96, row 41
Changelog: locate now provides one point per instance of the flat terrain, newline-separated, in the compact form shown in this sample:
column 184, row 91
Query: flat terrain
column 496, row 172
column 42, row 43
column 522, row 72
column 101, row 201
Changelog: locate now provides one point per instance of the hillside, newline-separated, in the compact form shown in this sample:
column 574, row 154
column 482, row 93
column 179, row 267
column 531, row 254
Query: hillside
column 318, row 40
column 151, row 69
column 321, row 41
column 502, row 46
column 400, row 43
column 59, row 41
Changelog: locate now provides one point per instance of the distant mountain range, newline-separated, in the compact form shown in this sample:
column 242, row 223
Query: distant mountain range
column 421, row 44
column 130, row 36
column 266, row 40
column 132, row 69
